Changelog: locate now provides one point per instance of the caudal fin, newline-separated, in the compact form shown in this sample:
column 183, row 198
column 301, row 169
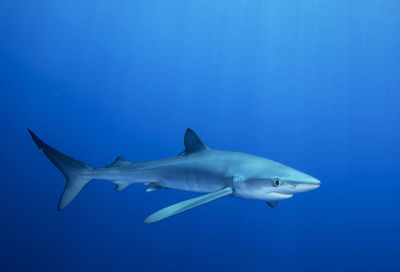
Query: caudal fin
column 76, row 172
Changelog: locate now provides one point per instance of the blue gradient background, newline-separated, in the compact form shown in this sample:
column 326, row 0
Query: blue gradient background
column 312, row 84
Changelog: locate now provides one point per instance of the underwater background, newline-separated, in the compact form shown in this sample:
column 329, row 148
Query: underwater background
column 312, row 84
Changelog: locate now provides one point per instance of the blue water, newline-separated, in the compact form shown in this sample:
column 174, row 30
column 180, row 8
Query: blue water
column 312, row 84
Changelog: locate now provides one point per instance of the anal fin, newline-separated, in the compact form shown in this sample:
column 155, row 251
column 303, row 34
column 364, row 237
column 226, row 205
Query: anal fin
column 120, row 185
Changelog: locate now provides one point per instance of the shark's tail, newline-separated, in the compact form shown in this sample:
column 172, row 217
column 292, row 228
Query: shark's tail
column 77, row 173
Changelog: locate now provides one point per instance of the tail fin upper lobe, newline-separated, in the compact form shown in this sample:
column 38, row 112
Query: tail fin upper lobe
column 76, row 172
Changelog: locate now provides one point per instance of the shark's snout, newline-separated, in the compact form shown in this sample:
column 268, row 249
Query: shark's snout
column 308, row 185
column 314, row 185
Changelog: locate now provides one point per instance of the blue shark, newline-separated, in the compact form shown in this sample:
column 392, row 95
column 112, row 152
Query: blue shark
column 200, row 169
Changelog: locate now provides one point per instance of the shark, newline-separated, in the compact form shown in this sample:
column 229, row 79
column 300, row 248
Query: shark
column 213, row 173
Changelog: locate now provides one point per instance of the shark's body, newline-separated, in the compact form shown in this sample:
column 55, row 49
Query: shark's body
column 197, row 169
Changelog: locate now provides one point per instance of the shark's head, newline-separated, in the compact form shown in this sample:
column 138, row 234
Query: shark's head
column 275, row 181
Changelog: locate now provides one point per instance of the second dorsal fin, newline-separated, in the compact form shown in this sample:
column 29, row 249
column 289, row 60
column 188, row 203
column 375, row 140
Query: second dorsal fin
column 118, row 161
column 193, row 143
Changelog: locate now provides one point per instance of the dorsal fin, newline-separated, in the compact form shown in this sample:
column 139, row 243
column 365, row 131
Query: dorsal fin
column 193, row 143
column 118, row 161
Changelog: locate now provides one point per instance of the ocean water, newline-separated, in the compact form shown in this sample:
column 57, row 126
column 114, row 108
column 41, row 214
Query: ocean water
column 312, row 84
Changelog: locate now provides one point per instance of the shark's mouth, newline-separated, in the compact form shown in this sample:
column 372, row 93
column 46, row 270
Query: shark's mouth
column 278, row 196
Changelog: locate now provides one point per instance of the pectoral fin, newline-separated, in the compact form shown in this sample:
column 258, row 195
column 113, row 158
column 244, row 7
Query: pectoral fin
column 272, row 204
column 186, row 205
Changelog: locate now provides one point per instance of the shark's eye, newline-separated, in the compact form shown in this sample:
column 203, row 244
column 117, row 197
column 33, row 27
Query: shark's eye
column 277, row 182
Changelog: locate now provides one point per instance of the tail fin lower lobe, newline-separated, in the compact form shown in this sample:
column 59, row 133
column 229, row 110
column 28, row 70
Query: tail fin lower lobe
column 76, row 172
